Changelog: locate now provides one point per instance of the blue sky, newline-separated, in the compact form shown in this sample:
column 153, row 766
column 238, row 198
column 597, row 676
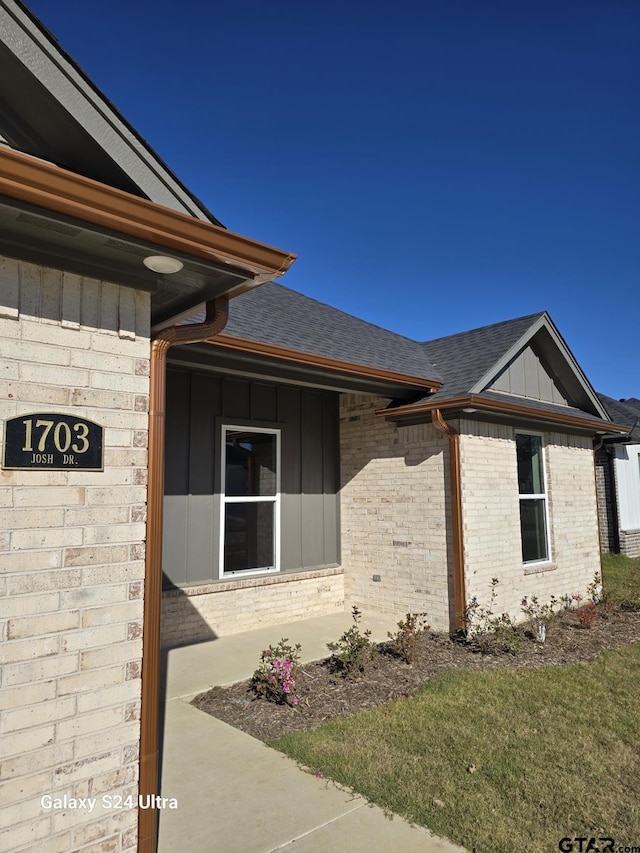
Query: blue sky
column 435, row 165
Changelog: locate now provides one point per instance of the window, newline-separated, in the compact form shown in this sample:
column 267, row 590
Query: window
column 533, row 498
column 250, row 500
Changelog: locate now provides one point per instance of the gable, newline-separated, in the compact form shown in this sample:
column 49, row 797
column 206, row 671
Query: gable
column 50, row 109
column 538, row 362
column 528, row 376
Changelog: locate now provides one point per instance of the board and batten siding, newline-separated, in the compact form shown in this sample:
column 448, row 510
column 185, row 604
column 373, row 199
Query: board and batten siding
column 198, row 404
column 527, row 376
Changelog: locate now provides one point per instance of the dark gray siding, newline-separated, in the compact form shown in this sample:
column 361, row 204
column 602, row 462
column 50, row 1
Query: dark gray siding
column 197, row 405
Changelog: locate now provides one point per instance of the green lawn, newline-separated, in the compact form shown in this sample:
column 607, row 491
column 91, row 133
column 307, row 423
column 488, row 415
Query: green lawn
column 621, row 577
column 504, row 760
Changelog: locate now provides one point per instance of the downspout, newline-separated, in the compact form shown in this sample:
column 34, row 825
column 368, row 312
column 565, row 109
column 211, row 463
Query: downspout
column 215, row 321
column 459, row 593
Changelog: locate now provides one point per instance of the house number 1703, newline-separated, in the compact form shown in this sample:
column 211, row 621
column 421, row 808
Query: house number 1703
column 62, row 435
column 53, row 441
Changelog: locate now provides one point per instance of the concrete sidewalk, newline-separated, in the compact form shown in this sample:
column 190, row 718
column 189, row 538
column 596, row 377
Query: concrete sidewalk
column 235, row 795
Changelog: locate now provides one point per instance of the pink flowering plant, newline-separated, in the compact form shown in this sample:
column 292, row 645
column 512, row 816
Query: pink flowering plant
column 276, row 677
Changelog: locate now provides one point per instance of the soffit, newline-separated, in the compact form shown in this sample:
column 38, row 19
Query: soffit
column 54, row 217
column 37, row 236
column 256, row 366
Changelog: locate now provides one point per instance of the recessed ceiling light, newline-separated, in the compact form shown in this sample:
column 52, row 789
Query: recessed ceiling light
column 163, row 264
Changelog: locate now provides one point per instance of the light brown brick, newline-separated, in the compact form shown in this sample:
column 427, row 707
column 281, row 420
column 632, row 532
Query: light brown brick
column 37, row 626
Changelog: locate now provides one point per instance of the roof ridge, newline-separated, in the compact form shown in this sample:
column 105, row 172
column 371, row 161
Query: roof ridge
column 531, row 317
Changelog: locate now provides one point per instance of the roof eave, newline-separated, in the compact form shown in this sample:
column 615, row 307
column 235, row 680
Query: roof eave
column 483, row 404
column 89, row 228
column 390, row 377
column 45, row 185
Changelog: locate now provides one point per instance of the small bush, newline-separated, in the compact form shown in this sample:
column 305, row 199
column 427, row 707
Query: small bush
column 587, row 615
column 488, row 631
column 536, row 612
column 354, row 651
column 404, row 641
column 276, row 677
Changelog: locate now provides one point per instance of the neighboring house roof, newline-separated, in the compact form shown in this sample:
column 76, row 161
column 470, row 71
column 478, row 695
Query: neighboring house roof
column 51, row 109
column 625, row 411
column 275, row 321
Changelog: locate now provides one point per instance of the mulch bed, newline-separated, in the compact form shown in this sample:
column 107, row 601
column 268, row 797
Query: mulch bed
column 324, row 695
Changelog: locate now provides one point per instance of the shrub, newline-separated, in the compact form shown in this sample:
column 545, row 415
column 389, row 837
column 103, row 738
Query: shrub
column 404, row 641
column 594, row 590
column 487, row 630
column 587, row 615
column 276, row 677
column 537, row 612
column 354, row 651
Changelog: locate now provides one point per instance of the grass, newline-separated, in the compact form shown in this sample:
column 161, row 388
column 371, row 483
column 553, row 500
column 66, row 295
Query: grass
column 502, row 760
column 621, row 577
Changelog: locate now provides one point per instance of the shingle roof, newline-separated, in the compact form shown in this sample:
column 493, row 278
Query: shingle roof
column 276, row 315
column 621, row 411
column 464, row 358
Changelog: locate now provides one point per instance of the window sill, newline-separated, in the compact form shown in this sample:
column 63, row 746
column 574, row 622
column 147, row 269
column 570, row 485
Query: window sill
column 267, row 579
column 538, row 568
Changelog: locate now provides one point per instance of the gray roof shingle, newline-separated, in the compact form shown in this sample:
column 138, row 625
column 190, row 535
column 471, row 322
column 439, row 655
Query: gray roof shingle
column 621, row 411
column 464, row 358
column 274, row 314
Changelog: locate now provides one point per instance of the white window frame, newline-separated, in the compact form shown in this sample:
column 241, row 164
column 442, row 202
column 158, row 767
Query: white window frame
column 225, row 501
column 543, row 496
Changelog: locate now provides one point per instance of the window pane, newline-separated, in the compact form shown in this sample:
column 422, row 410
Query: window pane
column 533, row 529
column 250, row 463
column 530, row 471
column 249, row 536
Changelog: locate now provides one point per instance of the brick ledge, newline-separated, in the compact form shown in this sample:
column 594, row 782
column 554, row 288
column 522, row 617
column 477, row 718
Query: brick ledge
column 539, row 569
column 251, row 583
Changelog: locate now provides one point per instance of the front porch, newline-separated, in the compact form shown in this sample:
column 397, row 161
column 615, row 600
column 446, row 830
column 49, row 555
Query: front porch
column 235, row 794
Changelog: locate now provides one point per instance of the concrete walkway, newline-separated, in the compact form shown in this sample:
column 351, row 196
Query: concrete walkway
column 235, row 795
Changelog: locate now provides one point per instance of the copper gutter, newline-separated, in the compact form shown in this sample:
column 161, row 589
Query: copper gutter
column 40, row 183
column 459, row 591
column 501, row 406
column 216, row 320
column 324, row 362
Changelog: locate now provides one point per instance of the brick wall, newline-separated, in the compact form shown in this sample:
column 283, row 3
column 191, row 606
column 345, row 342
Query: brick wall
column 630, row 543
column 394, row 508
column 492, row 520
column 604, row 491
column 491, row 513
column 72, row 563
column 212, row 610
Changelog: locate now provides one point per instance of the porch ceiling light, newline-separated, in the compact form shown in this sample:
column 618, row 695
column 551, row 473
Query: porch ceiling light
column 163, row 264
